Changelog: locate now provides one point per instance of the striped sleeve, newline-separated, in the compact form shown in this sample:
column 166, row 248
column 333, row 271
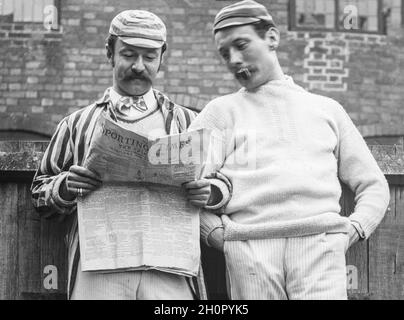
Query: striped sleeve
column 51, row 173
column 180, row 119
column 190, row 116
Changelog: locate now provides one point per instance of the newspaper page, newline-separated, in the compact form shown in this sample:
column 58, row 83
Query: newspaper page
column 140, row 218
column 120, row 155
column 138, row 227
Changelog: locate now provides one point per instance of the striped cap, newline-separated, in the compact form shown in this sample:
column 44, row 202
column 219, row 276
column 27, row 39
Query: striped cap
column 239, row 13
column 139, row 28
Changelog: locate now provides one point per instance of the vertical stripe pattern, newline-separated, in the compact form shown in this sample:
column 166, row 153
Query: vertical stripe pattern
column 316, row 267
column 130, row 285
column 301, row 268
column 69, row 145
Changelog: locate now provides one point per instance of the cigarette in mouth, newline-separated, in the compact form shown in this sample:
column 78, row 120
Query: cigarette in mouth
column 244, row 73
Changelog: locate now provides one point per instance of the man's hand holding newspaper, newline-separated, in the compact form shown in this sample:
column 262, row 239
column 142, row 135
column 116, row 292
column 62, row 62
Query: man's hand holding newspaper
column 141, row 218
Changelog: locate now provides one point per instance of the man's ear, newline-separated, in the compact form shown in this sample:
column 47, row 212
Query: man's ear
column 161, row 61
column 110, row 55
column 272, row 36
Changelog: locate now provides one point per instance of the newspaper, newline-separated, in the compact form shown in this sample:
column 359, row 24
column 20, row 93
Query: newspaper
column 120, row 155
column 140, row 218
column 139, row 227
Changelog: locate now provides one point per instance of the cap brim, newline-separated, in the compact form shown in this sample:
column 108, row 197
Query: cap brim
column 142, row 42
column 236, row 21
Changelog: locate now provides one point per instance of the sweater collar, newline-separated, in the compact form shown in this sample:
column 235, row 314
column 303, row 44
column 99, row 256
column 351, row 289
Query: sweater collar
column 286, row 81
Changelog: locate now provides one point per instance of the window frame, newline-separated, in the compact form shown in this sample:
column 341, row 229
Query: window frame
column 402, row 13
column 20, row 24
column 380, row 25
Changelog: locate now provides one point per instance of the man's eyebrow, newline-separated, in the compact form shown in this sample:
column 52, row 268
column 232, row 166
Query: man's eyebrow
column 151, row 51
column 239, row 38
column 125, row 49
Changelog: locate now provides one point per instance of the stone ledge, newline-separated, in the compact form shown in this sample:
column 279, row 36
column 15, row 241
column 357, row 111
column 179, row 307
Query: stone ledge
column 21, row 155
column 26, row 155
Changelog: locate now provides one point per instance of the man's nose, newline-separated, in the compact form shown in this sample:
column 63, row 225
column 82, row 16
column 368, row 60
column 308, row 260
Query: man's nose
column 236, row 58
column 138, row 65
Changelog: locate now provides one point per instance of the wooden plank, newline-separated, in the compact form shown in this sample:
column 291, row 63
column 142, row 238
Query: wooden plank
column 54, row 253
column 386, row 251
column 41, row 244
column 357, row 255
column 8, row 241
column 30, row 272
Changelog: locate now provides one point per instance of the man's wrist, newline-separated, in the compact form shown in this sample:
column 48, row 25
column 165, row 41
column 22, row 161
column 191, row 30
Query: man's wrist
column 64, row 194
column 56, row 190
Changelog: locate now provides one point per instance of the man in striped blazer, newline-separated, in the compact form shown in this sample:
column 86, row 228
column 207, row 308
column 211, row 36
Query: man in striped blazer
column 135, row 48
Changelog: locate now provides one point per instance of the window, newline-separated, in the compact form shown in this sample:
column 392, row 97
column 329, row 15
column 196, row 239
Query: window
column 363, row 16
column 27, row 10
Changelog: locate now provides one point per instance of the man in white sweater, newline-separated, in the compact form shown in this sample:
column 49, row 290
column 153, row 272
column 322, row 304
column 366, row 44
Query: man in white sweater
column 281, row 232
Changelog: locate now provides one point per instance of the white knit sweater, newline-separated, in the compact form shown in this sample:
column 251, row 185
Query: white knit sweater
column 300, row 144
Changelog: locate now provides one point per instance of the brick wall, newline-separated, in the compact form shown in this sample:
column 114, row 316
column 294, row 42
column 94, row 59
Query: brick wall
column 46, row 75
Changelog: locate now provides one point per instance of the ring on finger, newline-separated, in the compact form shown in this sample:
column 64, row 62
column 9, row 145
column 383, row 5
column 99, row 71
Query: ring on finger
column 80, row 192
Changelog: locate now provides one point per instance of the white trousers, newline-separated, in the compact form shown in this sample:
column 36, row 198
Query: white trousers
column 131, row 285
column 308, row 267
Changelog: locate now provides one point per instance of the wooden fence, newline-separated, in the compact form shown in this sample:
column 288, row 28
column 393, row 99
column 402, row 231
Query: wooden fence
column 33, row 257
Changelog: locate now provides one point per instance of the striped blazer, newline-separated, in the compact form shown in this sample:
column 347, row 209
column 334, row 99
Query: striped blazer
column 69, row 146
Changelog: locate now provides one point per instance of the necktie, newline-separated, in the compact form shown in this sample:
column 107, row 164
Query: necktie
column 126, row 103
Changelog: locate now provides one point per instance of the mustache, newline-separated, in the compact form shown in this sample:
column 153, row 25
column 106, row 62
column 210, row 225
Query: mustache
column 136, row 76
column 243, row 73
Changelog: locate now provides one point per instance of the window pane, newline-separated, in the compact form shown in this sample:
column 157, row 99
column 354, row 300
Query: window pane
column 6, row 11
column 358, row 14
column 38, row 10
column 18, row 13
column 315, row 14
column 23, row 10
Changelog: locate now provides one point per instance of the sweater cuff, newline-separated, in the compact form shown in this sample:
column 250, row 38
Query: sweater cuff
column 227, row 188
column 365, row 222
column 225, row 194
column 209, row 222
column 358, row 229
column 59, row 201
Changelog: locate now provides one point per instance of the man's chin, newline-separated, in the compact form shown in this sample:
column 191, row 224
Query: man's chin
column 134, row 89
column 246, row 83
column 251, row 84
